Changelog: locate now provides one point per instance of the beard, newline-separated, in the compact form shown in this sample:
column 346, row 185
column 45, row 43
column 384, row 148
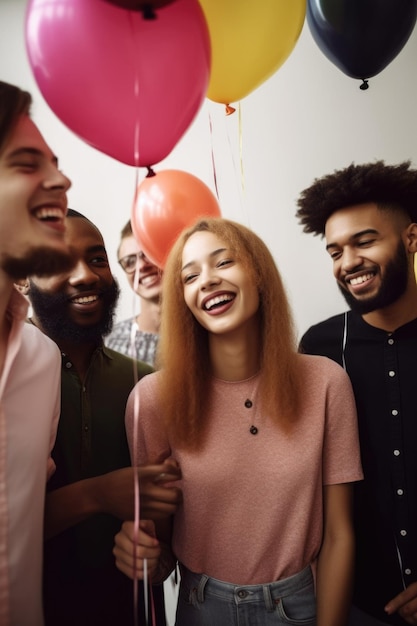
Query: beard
column 40, row 262
column 393, row 285
column 51, row 309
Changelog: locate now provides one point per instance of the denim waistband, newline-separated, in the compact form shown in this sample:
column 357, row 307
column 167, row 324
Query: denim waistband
column 267, row 592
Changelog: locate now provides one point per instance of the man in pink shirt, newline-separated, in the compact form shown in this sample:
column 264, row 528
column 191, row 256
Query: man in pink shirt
column 33, row 205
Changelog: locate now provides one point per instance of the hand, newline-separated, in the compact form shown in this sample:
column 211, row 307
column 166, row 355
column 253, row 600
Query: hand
column 405, row 604
column 115, row 491
column 131, row 562
column 158, row 498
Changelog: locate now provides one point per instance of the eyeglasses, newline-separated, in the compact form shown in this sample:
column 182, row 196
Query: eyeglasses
column 128, row 263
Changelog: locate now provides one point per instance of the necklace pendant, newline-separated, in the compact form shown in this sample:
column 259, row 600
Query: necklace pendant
column 253, row 430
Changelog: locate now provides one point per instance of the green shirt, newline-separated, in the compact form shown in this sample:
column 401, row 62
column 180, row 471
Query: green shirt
column 82, row 583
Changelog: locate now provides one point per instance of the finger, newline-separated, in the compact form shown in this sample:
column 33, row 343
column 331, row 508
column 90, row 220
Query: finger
column 147, row 533
column 160, row 493
column 152, row 471
column 406, row 596
column 166, row 477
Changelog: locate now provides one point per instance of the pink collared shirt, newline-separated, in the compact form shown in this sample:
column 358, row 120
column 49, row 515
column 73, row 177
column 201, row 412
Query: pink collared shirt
column 29, row 412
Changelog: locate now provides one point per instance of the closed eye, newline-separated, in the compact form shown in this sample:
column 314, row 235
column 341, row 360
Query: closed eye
column 188, row 278
column 365, row 242
column 99, row 260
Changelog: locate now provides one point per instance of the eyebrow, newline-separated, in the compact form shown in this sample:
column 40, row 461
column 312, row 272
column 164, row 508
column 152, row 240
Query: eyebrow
column 31, row 151
column 211, row 255
column 97, row 248
column 367, row 231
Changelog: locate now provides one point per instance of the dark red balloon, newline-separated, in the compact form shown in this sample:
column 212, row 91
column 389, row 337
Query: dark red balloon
column 361, row 37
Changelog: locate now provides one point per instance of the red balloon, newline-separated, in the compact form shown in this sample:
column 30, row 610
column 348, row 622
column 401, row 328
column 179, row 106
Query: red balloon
column 165, row 204
column 126, row 85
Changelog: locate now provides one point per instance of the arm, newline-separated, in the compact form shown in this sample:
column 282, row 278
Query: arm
column 113, row 493
column 335, row 561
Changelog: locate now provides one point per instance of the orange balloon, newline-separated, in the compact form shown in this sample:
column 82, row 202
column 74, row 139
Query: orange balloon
column 165, row 204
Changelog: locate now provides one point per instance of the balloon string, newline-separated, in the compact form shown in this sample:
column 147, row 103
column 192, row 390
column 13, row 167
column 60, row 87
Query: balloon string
column 212, row 156
column 242, row 173
column 136, row 91
column 136, row 155
column 136, row 480
column 235, row 168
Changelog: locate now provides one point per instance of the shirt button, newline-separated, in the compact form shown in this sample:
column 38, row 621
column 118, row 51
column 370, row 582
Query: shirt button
column 397, row 453
column 391, row 373
column 394, row 412
column 400, row 492
column 86, row 428
column 407, row 571
column 403, row 533
column 68, row 364
column 390, row 341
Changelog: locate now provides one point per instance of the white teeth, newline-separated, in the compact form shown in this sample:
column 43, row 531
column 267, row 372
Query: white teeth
column 48, row 213
column 217, row 300
column 147, row 280
column 85, row 299
column 360, row 279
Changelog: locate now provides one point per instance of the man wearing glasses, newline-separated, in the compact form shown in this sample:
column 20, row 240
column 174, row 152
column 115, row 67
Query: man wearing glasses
column 137, row 336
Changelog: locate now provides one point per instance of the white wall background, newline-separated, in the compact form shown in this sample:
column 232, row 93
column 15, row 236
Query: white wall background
column 305, row 121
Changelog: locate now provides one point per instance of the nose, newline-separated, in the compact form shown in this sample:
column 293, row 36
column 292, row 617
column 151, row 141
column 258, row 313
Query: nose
column 208, row 278
column 83, row 274
column 55, row 179
column 350, row 260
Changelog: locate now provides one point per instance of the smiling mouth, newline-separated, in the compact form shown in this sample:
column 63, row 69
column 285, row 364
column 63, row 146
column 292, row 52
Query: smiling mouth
column 49, row 214
column 149, row 279
column 358, row 280
column 84, row 299
column 217, row 301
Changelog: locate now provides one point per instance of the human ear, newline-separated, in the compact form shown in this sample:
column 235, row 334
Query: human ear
column 411, row 237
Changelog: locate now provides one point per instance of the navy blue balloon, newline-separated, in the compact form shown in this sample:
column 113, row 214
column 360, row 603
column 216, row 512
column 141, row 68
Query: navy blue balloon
column 361, row 37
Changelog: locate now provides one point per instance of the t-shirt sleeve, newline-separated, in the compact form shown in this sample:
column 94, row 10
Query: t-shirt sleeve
column 145, row 430
column 341, row 453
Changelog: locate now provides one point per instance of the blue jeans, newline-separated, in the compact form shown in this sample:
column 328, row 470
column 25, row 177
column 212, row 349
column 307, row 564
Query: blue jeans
column 205, row 601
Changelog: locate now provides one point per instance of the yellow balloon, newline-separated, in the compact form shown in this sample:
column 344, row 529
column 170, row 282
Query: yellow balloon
column 250, row 40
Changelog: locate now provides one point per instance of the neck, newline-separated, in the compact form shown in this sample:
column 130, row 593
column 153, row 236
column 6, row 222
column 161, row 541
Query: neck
column 397, row 314
column 149, row 318
column 235, row 356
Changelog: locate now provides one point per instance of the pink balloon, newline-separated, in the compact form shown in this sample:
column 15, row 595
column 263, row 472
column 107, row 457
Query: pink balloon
column 128, row 86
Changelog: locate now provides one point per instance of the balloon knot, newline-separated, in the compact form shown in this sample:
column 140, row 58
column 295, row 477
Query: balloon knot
column 364, row 85
column 229, row 109
column 150, row 172
column 148, row 12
